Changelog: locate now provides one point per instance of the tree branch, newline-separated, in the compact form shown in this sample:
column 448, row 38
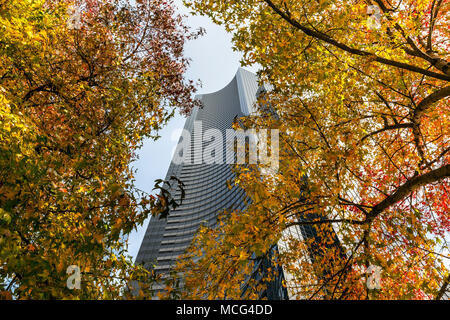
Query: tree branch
column 408, row 187
column 429, row 100
column 443, row 288
column 326, row 38
column 389, row 127
column 429, row 56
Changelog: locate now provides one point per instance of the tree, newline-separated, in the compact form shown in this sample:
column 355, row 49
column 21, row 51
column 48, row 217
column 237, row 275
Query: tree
column 82, row 83
column 361, row 92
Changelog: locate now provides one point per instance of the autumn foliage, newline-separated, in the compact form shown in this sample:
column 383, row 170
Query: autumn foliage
column 82, row 83
column 360, row 93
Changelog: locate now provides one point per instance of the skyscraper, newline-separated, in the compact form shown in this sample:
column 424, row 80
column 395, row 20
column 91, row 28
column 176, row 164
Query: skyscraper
column 206, row 190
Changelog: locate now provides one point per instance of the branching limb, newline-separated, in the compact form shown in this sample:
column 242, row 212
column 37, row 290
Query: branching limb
column 408, row 187
column 326, row 38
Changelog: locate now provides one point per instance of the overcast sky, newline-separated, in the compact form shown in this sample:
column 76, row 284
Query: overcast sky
column 214, row 63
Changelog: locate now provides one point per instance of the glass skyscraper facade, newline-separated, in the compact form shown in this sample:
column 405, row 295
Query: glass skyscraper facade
column 206, row 190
